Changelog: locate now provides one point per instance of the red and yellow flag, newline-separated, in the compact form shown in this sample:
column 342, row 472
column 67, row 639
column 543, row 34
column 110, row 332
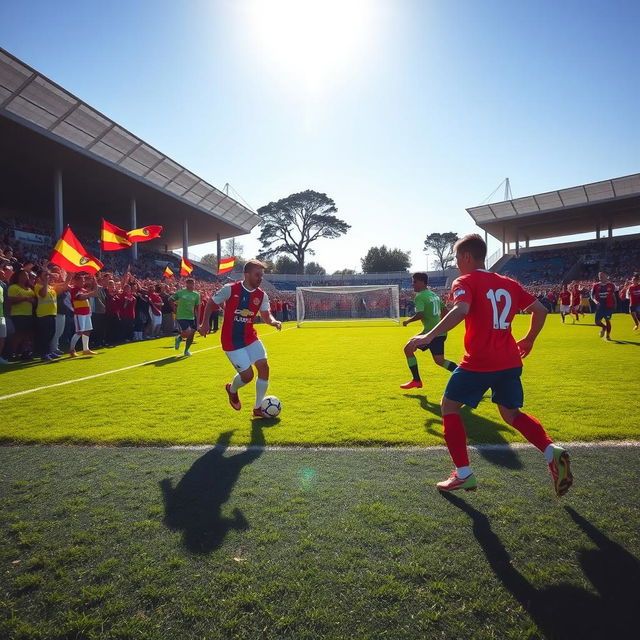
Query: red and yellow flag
column 72, row 256
column 113, row 238
column 167, row 272
column 145, row 233
column 226, row 265
column 185, row 267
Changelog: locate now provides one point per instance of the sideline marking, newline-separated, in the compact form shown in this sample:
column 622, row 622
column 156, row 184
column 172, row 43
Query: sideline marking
column 106, row 373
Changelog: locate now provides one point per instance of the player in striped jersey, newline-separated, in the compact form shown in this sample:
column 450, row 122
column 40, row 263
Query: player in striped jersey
column 243, row 301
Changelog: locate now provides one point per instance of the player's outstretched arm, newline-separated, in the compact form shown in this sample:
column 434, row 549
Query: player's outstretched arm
column 267, row 318
column 538, row 317
column 451, row 320
column 414, row 318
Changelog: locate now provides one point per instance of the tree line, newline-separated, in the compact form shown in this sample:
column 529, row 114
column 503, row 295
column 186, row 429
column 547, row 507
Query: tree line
column 291, row 225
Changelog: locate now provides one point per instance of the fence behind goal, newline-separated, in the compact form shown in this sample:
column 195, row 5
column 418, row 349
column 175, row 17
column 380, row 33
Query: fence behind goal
column 336, row 304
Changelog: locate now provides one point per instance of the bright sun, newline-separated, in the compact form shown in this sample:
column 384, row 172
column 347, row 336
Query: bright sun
column 311, row 42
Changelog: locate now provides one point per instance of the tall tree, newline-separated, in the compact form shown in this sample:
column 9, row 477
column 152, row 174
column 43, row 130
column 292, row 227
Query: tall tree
column 292, row 224
column 314, row 269
column 344, row 272
column 232, row 247
column 381, row 260
column 442, row 245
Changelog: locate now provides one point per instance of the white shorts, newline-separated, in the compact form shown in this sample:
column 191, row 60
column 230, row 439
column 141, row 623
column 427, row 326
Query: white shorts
column 243, row 358
column 82, row 323
column 3, row 327
column 155, row 320
column 565, row 308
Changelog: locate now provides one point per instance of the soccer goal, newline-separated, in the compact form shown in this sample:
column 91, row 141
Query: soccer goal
column 339, row 304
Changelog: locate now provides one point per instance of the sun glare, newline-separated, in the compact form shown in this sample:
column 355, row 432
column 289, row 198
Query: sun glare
column 311, row 42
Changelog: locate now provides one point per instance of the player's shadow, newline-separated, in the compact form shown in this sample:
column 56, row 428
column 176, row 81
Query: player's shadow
column 194, row 505
column 565, row 610
column 164, row 361
column 631, row 342
column 479, row 431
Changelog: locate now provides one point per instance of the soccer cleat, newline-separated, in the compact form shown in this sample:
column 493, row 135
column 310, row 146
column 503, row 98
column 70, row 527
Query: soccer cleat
column 73, row 354
column 453, row 483
column 234, row 398
column 560, row 469
column 259, row 413
column 178, row 340
column 414, row 384
column 608, row 338
column 601, row 332
column 88, row 352
column 187, row 352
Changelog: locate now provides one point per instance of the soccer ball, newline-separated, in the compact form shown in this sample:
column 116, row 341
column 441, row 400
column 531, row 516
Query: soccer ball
column 271, row 406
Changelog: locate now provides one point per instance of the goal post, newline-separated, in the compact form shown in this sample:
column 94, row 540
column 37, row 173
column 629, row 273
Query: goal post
column 353, row 303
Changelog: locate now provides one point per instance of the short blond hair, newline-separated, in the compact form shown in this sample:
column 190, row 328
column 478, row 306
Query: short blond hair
column 253, row 263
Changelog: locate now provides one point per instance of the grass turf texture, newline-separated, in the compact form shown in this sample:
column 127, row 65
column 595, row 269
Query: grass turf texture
column 163, row 544
column 339, row 385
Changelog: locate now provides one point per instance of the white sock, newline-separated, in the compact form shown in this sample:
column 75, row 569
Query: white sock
column 236, row 383
column 548, row 453
column 74, row 341
column 85, row 342
column 463, row 472
column 261, row 390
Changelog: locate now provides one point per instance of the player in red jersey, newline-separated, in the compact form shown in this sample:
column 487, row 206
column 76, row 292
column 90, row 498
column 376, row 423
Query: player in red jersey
column 575, row 301
column 603, row 293
column 488, row 302
column 632, row 293
column 243, row 301
column 565, row 302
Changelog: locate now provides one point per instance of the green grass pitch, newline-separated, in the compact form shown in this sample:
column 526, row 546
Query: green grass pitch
column 338, row 385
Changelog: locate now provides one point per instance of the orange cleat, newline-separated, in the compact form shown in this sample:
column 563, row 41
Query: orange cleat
column 88, row 352
column 414, row 384
column 453, row 483
column 234, row 398
column 73, row 354
column 259, row 413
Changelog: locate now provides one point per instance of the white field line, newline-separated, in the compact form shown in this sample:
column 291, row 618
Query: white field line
column 106, row 373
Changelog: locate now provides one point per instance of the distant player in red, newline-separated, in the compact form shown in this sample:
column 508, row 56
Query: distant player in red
column 488, row 302
column 575, row 301
column 565, row 302
column 243, row 301
column 603, row 293
column 632, row 293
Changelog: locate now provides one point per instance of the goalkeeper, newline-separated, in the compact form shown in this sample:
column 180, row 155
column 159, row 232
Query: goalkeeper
column 429, row 310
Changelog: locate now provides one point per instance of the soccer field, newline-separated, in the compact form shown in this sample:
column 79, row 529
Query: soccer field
column 338, row 385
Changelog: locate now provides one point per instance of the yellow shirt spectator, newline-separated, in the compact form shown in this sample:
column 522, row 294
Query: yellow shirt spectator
column 20, row 308
column 47, row 305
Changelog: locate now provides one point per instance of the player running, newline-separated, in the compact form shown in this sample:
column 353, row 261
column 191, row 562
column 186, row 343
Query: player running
column 575, row 301
column 243, row 300
column 488, row 302
column 632, row 293
column 565, row 302
column 430, row 310
column 603, row 293
column 188, row 301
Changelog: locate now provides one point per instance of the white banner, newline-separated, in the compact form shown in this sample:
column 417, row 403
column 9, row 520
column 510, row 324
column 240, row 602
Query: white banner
column 31, row 238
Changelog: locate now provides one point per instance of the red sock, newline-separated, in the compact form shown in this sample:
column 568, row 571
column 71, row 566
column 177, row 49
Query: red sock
column 456, row 439
column 532, row 430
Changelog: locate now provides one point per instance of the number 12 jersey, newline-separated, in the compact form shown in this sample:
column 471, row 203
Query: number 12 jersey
column 493, row 301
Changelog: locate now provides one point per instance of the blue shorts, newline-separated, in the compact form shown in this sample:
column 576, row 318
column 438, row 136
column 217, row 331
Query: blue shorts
column 603, row 312
column 436, row 346
column 468, row 387
column 185, row 325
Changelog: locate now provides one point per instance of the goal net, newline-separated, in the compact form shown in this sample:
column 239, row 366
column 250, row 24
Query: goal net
column 334, row 304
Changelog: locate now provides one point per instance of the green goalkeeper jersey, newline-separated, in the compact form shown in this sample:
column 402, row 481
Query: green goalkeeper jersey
column 431, row 306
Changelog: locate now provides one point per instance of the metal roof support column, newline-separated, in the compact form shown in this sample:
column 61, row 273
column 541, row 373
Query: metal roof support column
column 610, row 229
column 526, row 242
column 58, row 206
column 218, row 248
column 185, row 238
column 134, row 225
column 597, row 231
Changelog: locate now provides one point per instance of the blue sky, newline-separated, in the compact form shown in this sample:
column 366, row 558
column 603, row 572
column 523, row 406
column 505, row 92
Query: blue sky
column 404, row 112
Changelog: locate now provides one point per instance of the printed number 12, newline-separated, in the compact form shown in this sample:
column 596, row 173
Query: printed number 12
column 494, row 298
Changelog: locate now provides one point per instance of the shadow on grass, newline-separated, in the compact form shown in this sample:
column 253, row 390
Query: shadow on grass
column 479, row 431
column 194, row 505
column 565, row 610
column 635, row 344
column 164, row 361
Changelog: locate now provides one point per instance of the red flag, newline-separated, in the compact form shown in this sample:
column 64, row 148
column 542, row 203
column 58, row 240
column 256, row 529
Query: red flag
column 167, row 272
column 226, row 265
column 72, row 256
column 144, row 233
column 185, row 267
column 113, row 238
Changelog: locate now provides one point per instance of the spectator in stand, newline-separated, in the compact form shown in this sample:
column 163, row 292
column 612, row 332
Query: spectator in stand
column 127, row 313
column 3, row 322
column 81, row 290
column 279, row 309
column 112, row 312
column 142, row 310
column 168, row 316
column 47, row 290
column 155, row 311
column 285, row 311
column 21, row 300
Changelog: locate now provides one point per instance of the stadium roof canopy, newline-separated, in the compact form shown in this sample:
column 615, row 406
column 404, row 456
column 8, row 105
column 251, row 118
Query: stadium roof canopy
column 609, row 204
column 44, row 128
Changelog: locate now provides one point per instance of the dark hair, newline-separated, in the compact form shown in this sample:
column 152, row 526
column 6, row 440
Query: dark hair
column 422, row 276
column 472, row 243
